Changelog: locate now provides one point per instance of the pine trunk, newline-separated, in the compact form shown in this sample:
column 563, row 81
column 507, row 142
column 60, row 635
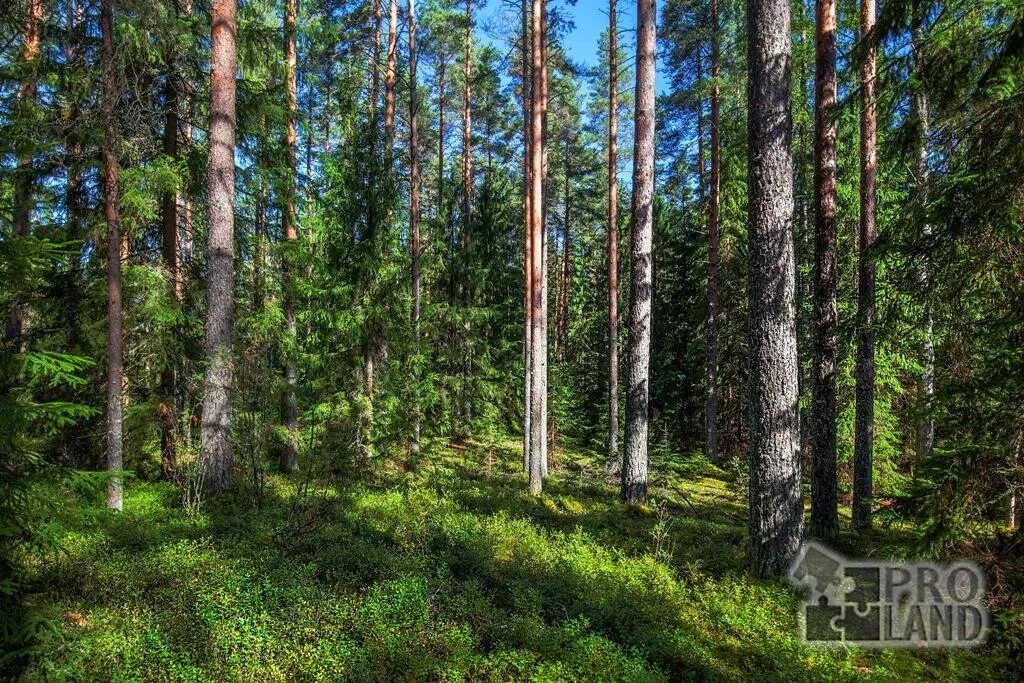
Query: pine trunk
column 389, row 85
column 824, row 510
column 711, row 367
column 290, row 453
column 526, row 86
column 776, row 508
column 634, row 469
column 220, row 178
column 24, row 179
column 926, row 429
column 864, row 436
column 542, row 379
column 115, row 340
column 414, row 207
column 538, row 428
column 467, row 130
column 612, row 460
column 169, row 254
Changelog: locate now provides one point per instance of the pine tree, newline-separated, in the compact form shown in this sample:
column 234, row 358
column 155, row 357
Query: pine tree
column 824, row 512
column 776, row 507
column 634, row 465
column 290, row 455
column 115, row 314
column 863, row 489
column 612, row 460
column 220, row 178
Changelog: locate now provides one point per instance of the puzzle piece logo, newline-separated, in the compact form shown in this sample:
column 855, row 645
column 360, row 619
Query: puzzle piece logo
column 888, row 604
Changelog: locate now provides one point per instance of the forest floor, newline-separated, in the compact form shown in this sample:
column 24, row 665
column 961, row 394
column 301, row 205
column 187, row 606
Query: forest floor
column 452, row 572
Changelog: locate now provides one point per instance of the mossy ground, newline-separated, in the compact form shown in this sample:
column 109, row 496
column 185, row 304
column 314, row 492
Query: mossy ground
column 451, row 572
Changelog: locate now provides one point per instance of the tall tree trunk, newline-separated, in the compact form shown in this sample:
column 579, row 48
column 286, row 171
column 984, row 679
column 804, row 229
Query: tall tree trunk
column 389, row 85
column 526, row 86
column 220, row 265
column 711, row 367
column 375, row 67
column 701, row 154
column 414, row 208
column 169, row 253
column 634, row 468
column 467, row 130
column 864, row 437
column 538, row 427
column 824, row 510
column 926, row 429
column 115, row 340
column 24, row 178
column 73, row 191
column 776, row 507
column 441, row 69
column 542, row 379
column 290, row 453
column 562, row 312
column 612, row 459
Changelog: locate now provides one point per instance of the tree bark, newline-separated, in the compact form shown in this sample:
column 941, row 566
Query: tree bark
column 220, row 178
column 776, row 508
column 864, row 436
column 467, row 130
column 562, row 312
column 542, row 380
column 634, row 469
column 389, row 84
column 612, row 459
column 526, row 85
column 414, row 207
column 115, row 340
column 375, row 67
column 926, row 428
column 290, row 453
column 824, row 510
column 538, row 427
column 169, row 253
column 711, row 367
column 24, row 178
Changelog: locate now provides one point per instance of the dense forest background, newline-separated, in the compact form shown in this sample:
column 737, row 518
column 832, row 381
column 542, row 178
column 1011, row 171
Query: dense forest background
column 316, row 266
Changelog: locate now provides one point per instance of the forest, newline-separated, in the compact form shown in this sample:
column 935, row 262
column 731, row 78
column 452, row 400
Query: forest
column 503, row 340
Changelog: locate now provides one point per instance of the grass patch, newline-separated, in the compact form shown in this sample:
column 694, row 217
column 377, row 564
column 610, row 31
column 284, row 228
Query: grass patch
column 451, row 573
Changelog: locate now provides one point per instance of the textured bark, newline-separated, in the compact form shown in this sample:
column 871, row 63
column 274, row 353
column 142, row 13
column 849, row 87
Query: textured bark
column 526, row 85
column 711, row 366
column 24, row 178
column 290, row 454
column 776, row 508
column 634, row 466
column 538, row 427
column 926, row 428
column 542, row 379
column 564, row 280
column 169, row 254
column 467, row 130
column 414, row 204
column 375, row 67
column 389, row 84
column 220, row 177
column 864, row 436
column 441, row 68
column 824, row 510
column 115, row 340
column 612, row 459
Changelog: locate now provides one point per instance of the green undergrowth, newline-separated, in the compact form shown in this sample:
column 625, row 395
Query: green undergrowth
column 450, row 572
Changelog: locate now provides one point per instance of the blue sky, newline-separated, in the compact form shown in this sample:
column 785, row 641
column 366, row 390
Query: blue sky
column 589, row 18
